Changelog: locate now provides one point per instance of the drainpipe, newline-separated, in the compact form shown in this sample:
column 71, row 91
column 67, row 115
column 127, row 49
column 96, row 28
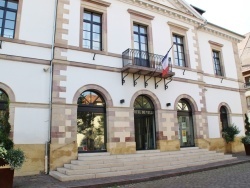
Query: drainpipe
column 47, row 144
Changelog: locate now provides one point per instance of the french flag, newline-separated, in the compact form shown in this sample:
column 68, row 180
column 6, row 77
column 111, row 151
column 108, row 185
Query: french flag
column 164, row 63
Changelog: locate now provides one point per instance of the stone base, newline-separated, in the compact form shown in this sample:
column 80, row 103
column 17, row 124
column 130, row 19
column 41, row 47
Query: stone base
column 116, row 148
column 202, row 143
column 237, row 146
column 35, row 159
column 62, row 153
column 219, row 145
column 168, row 145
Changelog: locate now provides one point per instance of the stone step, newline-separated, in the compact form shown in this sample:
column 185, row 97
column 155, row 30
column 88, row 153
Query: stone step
column 93, row 154
column 63, row 177
column 132, row 157
column 134, row 160
column 97, row 165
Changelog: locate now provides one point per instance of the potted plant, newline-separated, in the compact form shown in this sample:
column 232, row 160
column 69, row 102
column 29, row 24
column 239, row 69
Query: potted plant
column 246, row 139
column 9, row 157
column 230, row 132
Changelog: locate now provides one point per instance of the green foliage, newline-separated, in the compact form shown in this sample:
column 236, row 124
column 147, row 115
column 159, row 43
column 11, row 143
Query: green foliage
column 14, row 157
column 230, row 132
column 245, row 139
column 247, row 125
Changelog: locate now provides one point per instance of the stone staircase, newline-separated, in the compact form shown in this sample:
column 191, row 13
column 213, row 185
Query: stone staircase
column 99, row 165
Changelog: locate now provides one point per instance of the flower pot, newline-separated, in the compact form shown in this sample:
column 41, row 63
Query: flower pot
column 247, row 149
column 2, row 162
column 6, row 177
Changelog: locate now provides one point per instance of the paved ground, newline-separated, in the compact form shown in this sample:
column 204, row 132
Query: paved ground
column 236, row 176
column 228, row 174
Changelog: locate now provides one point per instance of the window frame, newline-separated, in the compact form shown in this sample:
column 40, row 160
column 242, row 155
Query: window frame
column 92, row 23
column 181, row 31
column 98, row 7
column 145, row 20
column 176, row 46
column 217, row 47
column 5, row 9
column 217, row 63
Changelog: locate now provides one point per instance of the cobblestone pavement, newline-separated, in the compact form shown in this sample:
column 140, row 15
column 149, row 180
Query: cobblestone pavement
column 236, row 176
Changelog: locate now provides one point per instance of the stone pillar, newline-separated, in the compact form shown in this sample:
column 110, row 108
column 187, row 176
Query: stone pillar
column 167, row 130
column 120, row 131
column 63, row 147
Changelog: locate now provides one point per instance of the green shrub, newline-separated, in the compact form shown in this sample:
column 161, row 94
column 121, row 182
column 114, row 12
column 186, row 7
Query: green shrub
column 230, row 132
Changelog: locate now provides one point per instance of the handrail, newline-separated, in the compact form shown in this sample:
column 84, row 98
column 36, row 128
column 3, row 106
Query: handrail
column 143, row 58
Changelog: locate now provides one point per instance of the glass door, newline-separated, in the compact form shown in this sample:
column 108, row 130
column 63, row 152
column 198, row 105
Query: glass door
column 186, row 132
column 144, row 132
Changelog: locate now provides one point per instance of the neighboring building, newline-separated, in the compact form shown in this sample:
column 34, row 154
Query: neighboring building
column 106, row 92
column 244, row 53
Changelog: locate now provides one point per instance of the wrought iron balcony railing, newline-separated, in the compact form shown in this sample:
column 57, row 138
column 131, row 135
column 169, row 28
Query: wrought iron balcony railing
column 144, row 59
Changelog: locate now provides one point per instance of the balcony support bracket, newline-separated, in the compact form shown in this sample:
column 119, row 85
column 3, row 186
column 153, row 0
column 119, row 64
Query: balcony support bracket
column 166, row 83
column 135, row 79
column 146, row 80
column 123, row 77
column 156, row 83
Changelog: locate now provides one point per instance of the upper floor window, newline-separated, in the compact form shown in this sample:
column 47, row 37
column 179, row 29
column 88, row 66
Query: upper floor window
column 8, row 13
column 217, row 63
column 92, row 30
column 140, row 38
column 141, row 45
column 179, row 53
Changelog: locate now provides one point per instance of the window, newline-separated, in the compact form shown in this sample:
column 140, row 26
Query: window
column 144, row 119
column 217, row 63
column 91, row 122
column 92, row 30
column 224, row 117
column 141, row 44
column 185, row 121
column 3, row 102
column 179, row 54
column 248, row 101
column 140, row 38
column 8, row 13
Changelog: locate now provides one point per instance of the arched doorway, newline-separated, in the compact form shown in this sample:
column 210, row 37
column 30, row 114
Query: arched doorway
column 185, row 121
column 144, row 118
column 224, row 117
column 3, row 102
column 91, row 122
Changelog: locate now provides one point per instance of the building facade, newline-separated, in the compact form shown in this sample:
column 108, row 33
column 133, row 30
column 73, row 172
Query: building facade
column 86, row 76
column 244, row 53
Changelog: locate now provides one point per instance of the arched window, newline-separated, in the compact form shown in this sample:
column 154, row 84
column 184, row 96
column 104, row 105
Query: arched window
column 91, row 122
column 3, row 102
column 185, row 121
column 144, row 118
column 224, row 117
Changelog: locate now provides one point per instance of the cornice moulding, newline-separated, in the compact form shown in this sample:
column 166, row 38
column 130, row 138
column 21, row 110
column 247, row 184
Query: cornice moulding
column 137, row 13
column 98, row 2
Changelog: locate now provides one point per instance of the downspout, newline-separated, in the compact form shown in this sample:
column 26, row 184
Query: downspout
column 47, row 144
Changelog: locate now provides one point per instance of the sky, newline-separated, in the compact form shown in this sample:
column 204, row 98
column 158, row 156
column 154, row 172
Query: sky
column 229, row 14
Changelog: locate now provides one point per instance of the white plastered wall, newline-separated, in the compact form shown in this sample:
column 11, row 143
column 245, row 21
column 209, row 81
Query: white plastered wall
column 37, row 21
column 31, row 125
column 206, row 54
column 29, row 82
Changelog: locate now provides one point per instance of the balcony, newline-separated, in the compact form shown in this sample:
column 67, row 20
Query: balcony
column 145, row 64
